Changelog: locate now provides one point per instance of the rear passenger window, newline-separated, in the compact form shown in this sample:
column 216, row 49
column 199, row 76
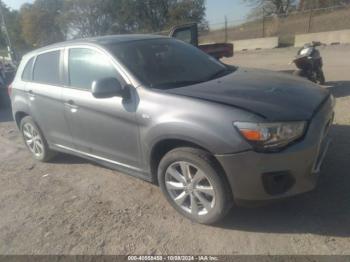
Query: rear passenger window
column 27, row 72
column 86, row 65
column 46, row 69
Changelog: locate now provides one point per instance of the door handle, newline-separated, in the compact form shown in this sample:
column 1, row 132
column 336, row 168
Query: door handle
column 31, row 95
column 73, row 107
column 71, row 103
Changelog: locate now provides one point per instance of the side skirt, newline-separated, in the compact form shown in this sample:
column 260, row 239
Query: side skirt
column 129, row 170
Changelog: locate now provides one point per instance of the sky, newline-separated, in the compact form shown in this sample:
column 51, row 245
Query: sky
column 216, row 9
column 16, row 4
column 233, row 9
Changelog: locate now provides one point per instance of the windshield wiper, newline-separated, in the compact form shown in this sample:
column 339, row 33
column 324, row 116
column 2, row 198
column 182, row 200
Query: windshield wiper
column 219, row 73
column 181, row 83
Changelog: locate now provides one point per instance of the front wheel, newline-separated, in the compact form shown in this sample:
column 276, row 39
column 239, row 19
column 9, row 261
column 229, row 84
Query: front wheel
column 298, row 73
column 309, row 75
column 320, row 76
column 194, row 185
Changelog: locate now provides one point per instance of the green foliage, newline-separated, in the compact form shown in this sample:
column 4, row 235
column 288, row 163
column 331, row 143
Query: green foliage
column 85, row 18
column 47, row 21
column 91, row 18
column 41, row 22
column 12, row 19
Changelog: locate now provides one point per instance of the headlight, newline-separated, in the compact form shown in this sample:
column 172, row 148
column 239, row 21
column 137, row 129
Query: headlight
column 306, row 51
column 271, row 136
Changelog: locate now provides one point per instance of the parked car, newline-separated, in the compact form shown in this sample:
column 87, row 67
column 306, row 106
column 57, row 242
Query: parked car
column 157, row 108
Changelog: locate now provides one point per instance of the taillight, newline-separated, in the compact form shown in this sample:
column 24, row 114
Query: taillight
column 9, row 90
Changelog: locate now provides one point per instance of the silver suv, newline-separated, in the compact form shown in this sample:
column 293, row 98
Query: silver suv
column 157, row 108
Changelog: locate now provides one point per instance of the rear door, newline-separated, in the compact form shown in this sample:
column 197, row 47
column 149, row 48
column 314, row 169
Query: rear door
column 44, row 92
column 102, row 128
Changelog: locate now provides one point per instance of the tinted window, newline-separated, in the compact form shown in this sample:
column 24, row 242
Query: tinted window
column 46, row 69
column 167, row 63
column 86, row 65
column 27, row 72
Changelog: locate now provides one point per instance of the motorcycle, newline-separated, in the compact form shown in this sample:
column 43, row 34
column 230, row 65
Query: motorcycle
column 309, row 62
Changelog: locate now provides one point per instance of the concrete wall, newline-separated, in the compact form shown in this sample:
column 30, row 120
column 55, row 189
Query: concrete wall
column 256, row 43
column 341, row 36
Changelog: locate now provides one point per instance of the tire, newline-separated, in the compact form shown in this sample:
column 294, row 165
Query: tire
column 35, row 140
column 298, row 73
column 207, row 198
column 320, row 77
column 301, row 73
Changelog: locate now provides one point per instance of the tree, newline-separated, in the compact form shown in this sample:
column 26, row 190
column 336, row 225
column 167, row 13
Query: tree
column 271, row 7
column 40, row 22
column 92, row 18
column 158, row 15
column 188, row 11
column 47, row 21
column 88, row 17
column 13, row 26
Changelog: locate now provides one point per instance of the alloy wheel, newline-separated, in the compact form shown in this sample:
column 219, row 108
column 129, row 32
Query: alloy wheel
column 190, row 188
column 33, row 139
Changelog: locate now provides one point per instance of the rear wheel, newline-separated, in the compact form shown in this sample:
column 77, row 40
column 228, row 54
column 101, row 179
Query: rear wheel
column 309, row 75
column 35, row 140
column 192, row 184
column 299, row 73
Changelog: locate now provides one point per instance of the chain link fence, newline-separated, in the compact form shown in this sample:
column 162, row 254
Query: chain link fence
column 285, row 27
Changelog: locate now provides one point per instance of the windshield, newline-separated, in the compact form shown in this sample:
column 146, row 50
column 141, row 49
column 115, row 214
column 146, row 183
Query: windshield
column 167, row 63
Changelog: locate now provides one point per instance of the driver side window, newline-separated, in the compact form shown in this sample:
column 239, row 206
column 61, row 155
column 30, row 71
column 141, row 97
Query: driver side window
column 86, row 65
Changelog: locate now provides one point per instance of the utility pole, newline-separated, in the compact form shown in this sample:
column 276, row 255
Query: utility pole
column 4, row 29
column 263, row 22
column 226, row 37
column 310, row 21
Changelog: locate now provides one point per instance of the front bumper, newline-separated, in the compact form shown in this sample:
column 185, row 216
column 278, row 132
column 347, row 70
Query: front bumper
column 257, row 176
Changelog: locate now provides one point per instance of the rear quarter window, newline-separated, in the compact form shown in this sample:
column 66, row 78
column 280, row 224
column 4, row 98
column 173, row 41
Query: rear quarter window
column 46, row 68
column 27, row 71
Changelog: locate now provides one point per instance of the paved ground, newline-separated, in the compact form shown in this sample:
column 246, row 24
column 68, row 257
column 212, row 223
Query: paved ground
column 71, row 206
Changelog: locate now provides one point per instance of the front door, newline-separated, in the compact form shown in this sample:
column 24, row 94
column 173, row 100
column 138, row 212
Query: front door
column 104, row 128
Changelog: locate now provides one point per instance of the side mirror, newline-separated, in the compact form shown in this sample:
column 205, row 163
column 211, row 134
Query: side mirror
column 108, row 87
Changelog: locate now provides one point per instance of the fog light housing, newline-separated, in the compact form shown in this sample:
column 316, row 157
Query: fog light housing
column 276, row 183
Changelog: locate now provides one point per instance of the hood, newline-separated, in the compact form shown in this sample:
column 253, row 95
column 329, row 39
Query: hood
column 272, row 95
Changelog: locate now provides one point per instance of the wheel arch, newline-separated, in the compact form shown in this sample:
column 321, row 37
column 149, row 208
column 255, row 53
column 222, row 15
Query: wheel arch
column 19, row 115
column 162, row 147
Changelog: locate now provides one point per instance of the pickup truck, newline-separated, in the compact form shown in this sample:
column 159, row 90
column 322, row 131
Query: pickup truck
column 189, row 34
